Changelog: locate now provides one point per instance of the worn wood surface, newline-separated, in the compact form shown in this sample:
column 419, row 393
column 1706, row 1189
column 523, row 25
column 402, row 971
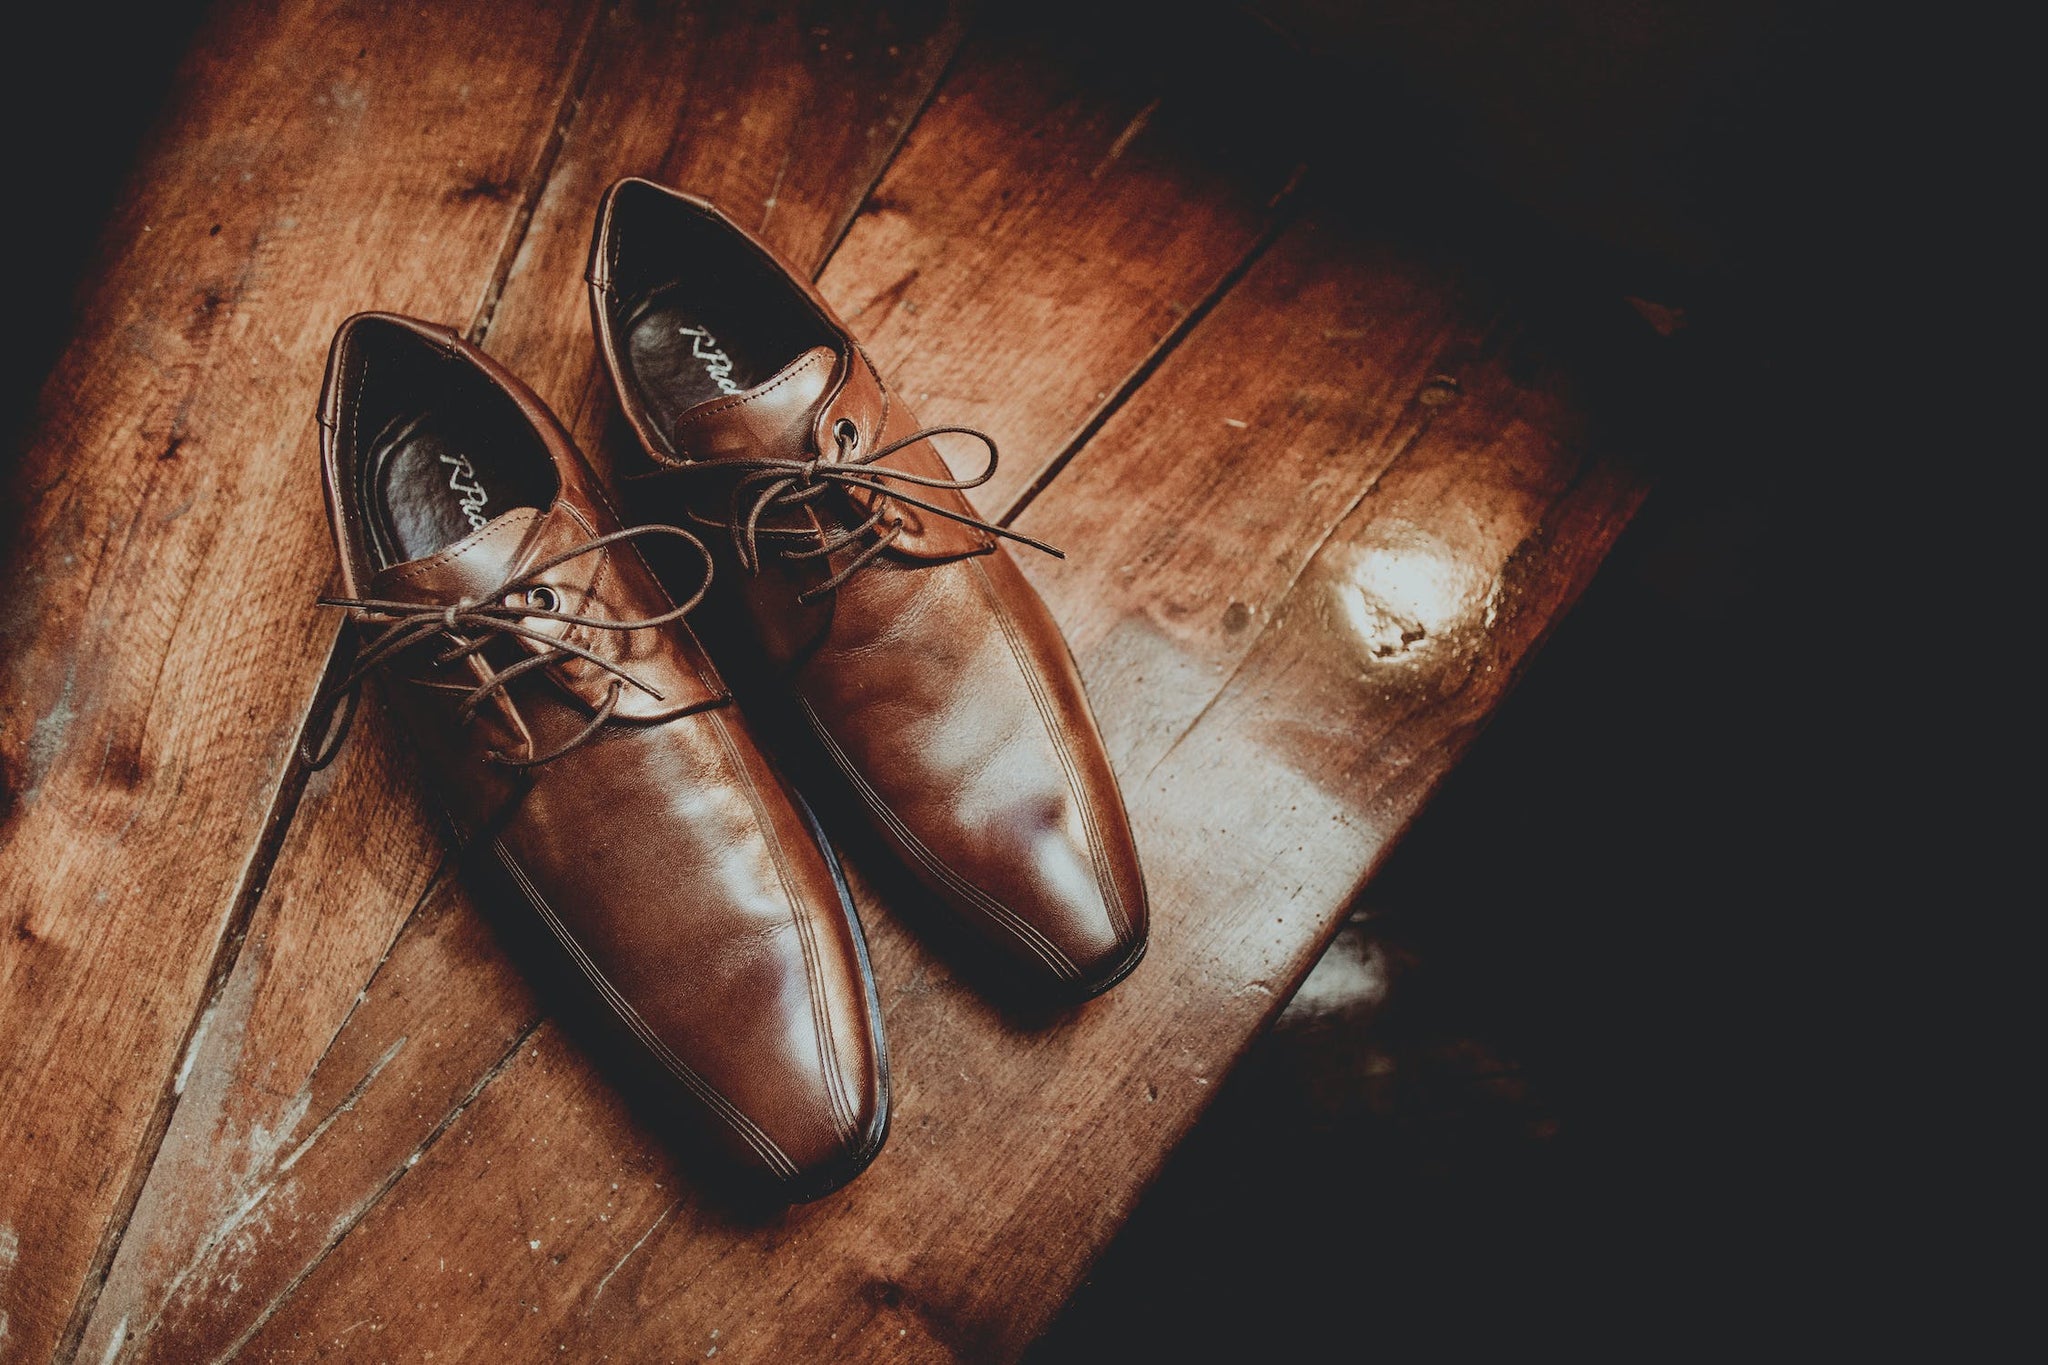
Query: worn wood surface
column 1057, row 214
column 1322, row 496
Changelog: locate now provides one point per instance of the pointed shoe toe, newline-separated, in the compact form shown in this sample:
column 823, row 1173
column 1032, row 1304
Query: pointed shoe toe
column 905, row 643
column 577, row 732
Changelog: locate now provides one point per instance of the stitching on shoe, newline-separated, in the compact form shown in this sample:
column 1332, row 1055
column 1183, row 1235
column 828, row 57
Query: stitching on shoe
column 749, row 1132
column 741, row 400
column 828, row 1053
column 1046, row 950
column 1105, row 882
column 449, row 556
column 354, row 436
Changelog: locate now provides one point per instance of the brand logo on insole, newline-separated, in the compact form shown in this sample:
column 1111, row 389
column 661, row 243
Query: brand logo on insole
column 717, row 364
column 462, row 479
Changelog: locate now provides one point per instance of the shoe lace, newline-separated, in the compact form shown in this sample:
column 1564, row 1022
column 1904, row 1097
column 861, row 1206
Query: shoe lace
column 472, row 624
column 773, row 483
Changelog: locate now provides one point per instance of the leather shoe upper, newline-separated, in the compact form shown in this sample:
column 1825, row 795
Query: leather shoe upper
column 569, row 718
column 928, row 670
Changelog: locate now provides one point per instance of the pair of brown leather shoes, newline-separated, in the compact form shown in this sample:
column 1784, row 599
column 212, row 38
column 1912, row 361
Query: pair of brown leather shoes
column 578, row 729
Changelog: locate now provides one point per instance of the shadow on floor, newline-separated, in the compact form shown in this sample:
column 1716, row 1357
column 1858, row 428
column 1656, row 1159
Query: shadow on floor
column 1518, row 1103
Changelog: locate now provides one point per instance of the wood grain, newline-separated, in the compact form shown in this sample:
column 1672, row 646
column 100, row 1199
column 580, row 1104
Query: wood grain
column 784, row 116
column 302, row 1104
column 1064, row 206
column 165, row 539
column 1185, row 533
column 1467, row 512
column 232, row 1217
column 266, row 1077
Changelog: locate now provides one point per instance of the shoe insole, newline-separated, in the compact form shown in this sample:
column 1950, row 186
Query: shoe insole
column 435, row 482
column 687, row 350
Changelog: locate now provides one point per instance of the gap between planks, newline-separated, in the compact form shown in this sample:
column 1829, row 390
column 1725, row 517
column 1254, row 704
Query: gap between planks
column 348, row 1221
column 541, row 174
column 249, row 889
column 840, row 233
column 1372, row 485
column 1286, row 208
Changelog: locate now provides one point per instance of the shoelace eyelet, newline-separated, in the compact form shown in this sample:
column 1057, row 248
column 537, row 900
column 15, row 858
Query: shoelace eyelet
column 400, row 626
column 769, row 482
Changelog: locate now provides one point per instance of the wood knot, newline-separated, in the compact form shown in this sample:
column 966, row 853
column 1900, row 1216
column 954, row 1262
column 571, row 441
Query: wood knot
column 1440, row 391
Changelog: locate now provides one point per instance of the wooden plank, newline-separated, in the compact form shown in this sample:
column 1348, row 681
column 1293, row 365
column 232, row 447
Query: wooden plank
column 301, row 1105
column 784, row 116
column 273, row 1090
column 167, row 538
column 1060, row 211
column 233, row 1215
column 1187, row 532
column 1376, row 632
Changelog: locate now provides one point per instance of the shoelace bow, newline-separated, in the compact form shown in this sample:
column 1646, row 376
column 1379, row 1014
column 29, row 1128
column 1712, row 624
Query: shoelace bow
column 409, row 624
column 774, row 483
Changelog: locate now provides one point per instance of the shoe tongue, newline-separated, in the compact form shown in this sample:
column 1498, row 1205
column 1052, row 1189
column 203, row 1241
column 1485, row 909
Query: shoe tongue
column 471, row 568
column 774, row 418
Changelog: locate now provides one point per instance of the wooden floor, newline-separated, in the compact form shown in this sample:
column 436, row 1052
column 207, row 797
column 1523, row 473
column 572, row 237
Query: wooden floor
column 272, row 1086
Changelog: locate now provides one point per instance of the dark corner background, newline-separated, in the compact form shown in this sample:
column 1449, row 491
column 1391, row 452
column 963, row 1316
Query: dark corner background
column 1565, row 1078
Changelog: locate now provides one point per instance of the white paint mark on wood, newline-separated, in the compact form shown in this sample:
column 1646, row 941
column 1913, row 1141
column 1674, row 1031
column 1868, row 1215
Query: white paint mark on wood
column 116, row 1342
column 263, row 1141
column 1125, row 138
column 192, row 1050
column 659, row 1218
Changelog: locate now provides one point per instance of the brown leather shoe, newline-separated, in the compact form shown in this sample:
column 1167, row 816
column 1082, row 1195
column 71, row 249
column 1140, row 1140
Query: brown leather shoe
column 929, row 671
column 569, row 717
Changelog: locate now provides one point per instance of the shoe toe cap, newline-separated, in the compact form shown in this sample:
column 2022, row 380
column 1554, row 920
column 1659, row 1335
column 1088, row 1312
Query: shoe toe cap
column 803, row 1113
column 1068, row 898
